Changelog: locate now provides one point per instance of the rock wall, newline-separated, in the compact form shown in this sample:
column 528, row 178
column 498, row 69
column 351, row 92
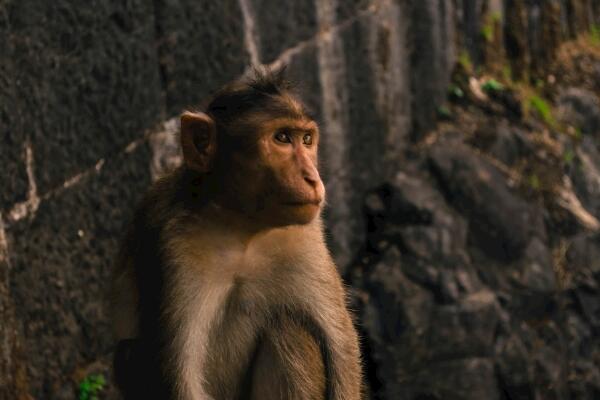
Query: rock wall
column 89, row 97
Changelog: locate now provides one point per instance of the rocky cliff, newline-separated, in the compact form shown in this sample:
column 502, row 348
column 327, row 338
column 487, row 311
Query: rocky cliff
column 462, row 166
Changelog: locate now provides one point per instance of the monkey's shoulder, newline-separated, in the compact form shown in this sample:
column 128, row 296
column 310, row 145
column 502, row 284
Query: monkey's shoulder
column 217, row 251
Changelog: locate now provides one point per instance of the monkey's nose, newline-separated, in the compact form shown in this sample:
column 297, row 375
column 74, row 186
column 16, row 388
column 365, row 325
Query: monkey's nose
column 311, row 180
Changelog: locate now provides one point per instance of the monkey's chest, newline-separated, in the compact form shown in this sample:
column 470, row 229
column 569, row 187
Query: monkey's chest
column 252, row 309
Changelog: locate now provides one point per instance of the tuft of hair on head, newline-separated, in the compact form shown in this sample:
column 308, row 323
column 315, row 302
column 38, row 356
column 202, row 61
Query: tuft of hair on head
column 270, row 81
column 267, row 91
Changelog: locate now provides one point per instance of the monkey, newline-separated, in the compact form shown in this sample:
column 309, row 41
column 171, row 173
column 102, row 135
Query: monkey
column 224, row 287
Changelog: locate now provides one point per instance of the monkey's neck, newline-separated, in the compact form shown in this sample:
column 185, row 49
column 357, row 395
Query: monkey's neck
column 232, row 222
column 245, row 234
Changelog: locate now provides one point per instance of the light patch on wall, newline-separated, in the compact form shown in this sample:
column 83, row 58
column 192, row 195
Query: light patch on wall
column 29, row 206
column 166, row 152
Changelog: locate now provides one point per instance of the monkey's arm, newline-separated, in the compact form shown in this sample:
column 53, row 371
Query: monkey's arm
column 124, row 302
column 288, row 365
column 124, row 305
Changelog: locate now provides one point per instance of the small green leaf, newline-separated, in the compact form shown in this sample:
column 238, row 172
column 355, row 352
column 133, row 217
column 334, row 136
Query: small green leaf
column 444, row 112
column 539, row 83
column 456, row 91
column 91, row 386
column 543, row 109
column 595, row 34
column 464, row 59
column 534, row 182
column 487, row 31
column 507, row 73
column 492, row 85
column 569, row 156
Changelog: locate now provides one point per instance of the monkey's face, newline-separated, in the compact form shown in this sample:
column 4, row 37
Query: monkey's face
column 277, row 180
column 264, row 169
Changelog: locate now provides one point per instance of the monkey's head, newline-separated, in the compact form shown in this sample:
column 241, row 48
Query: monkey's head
column 256, row 150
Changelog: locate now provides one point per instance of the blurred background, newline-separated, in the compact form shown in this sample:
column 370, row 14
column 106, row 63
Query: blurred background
column 461, row 154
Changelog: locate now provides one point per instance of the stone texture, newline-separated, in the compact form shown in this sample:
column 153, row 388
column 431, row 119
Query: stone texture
column 200, row 46
column 346, row 9
column 9, row 361
column 13, row 173
column 516, row 37
column 453, row 303
column 441, row 235
column 585, row 173
column 282, row 24
column 581, row 108
column 61, row 262
column 546, row 34
column 502, row 141
column 512, row 366
column 452, row 379
column 365, row 126
column 470, row 20
column 479, row 190
column 431, row 35
column 583, row 257
column 86, row 80
column 303, row 71
column 423, row 267
column 334, row 143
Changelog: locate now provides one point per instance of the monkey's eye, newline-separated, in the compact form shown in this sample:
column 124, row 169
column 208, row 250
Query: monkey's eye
column 307, row 139
column 283, row 137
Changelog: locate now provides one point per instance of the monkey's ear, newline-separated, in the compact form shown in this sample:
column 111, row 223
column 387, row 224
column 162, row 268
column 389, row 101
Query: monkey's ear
column 198, row 140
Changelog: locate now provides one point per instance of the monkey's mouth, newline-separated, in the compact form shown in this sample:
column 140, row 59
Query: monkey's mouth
column 300, row 203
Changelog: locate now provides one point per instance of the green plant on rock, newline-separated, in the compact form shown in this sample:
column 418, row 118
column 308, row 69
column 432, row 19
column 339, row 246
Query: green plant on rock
column 568, row 156
column 456, row 91
column 487, row 31
column 464, row 59
column 488, row 28
column 534, row 182
column 539, row 83
column 507, row 73
column 492, row 85
column 91, row 386
column 595, row 34
column 543, row 108
column 444, row 112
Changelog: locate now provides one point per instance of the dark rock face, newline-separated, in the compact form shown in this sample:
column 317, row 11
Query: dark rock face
column 505, row 143
column 582, row 109
column 302, row 70
column 459, row 292
column 82, row 75
column 200, row 48
column 432, row 58
column 585, row 174
column 364, row 122
column 282, row 25
column 13, row 173
column 500, row 223
column 349, row 8
column 59, row 275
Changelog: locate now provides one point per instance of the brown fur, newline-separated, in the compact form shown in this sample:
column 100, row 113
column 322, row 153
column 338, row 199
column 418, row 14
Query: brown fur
column 225, row 288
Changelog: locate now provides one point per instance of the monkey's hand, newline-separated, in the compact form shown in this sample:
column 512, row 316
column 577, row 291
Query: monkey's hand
column 126, row 363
